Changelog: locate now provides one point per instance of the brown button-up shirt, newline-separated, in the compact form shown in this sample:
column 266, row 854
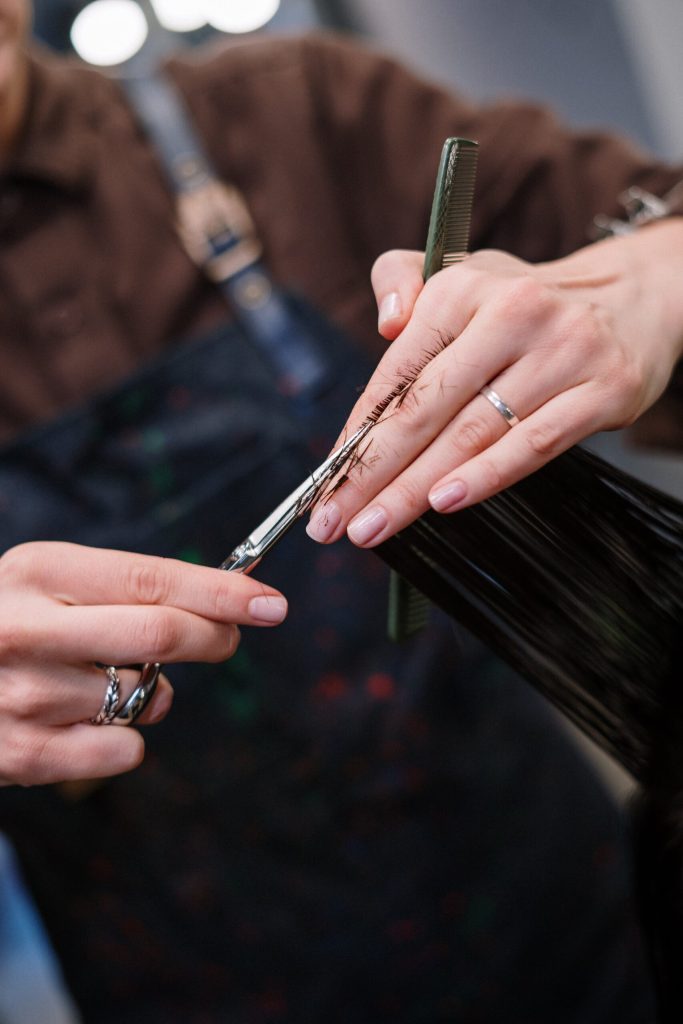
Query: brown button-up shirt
column 335, row 149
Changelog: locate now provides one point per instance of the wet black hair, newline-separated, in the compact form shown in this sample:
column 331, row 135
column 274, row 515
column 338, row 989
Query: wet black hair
column 574, row 576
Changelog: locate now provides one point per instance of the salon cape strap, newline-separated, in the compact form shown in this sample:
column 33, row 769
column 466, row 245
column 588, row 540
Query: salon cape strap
column 231, row 256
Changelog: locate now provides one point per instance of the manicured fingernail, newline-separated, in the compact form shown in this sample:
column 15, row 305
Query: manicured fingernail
column 270, row 610
column 367, row 525
column 324, row 521
column 389, row 308
column 448, row 497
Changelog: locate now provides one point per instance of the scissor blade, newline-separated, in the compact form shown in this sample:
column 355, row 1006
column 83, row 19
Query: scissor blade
column 292, row 508
column 300, row 500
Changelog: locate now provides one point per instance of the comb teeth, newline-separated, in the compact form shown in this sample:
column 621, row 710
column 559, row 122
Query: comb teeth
column 449, row 224
column 447, row 241
column 459, row 209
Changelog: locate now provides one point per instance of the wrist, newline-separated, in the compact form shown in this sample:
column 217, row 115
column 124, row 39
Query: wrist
column 658, row 250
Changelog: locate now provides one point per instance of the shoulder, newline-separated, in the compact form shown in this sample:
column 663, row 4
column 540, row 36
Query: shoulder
column 324, row 60
column 69, row 104
column 271, row 53
column 57, row 82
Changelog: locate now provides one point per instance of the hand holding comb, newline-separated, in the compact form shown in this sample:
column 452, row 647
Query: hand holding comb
column 574, row 576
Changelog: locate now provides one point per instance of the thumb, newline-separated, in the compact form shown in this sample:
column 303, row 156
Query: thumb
column 397, row 281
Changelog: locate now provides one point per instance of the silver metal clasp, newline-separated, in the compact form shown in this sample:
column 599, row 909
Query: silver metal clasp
column 641, row 208
column 214, row 223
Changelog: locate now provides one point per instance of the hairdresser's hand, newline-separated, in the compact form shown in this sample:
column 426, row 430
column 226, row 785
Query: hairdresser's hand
column 63, row 608
column 573, row 347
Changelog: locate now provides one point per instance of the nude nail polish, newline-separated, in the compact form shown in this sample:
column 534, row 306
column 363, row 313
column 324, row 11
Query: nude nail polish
column 323, row 522
column 368, row 525
column 448, row 497
column 389, row 308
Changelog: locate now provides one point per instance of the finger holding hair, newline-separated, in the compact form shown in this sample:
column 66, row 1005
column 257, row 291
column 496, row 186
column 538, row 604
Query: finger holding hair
column 501, row 366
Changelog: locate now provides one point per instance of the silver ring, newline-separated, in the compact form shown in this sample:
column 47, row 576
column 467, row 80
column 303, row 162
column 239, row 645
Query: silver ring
column 503, row 408
column 141, row 695
column 111, row 698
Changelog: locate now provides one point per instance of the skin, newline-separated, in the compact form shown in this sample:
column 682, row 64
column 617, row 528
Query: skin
column 575, row 346
column 15, row 21
column 65, row 608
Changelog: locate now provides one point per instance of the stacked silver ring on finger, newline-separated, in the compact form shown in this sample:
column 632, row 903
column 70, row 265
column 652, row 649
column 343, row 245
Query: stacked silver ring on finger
column 107, row 712
column 141, row 695
column 503, row 408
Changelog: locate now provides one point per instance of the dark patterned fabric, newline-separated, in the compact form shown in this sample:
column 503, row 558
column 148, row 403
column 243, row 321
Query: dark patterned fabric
column 328, row 827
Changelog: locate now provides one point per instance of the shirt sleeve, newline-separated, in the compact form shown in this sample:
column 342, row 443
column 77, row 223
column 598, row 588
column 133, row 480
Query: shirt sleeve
column 539, row 185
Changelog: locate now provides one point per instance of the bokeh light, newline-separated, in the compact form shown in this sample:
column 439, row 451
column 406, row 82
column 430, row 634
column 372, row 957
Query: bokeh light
column 109, row 32
column 180, row 15
column 239, row 15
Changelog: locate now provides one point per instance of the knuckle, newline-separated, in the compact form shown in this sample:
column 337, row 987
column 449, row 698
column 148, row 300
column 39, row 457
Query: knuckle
column 31, row 699
column 161, row 635
column 16, row 638
column 220, row 602
column 524, row 301
column 228, row 597
column 416, row 415
column 472, row 435
column 22, row 756
column 586, row 332
column 491, row 476
column 438, row 300
column 545, row 439
column 408, row 496
column 148, row 583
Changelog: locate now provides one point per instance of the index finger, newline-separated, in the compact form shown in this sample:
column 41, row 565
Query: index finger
column 441, row 313
column 78, row 575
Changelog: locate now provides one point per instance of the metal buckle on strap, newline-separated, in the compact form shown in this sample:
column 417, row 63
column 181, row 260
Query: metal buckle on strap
column 641, row 208
column 215, row 227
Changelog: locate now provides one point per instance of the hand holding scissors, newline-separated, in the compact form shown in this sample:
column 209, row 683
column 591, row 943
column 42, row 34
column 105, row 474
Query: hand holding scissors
column 246, row 555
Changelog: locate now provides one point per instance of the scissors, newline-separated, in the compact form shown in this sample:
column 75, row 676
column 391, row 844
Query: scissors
column 252, row 549
column 272, row 529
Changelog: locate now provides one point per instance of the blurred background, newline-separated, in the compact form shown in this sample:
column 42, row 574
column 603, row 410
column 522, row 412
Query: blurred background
column 599, row 62
column 612, row 64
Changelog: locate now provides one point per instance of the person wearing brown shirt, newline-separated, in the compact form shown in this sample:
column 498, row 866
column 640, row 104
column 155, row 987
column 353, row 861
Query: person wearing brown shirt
column 328, row 830
column 198, row 606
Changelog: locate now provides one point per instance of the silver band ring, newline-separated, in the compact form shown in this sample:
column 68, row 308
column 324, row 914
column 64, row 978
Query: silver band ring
column 141, row 695
column 112, row 694
column 503, row 408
